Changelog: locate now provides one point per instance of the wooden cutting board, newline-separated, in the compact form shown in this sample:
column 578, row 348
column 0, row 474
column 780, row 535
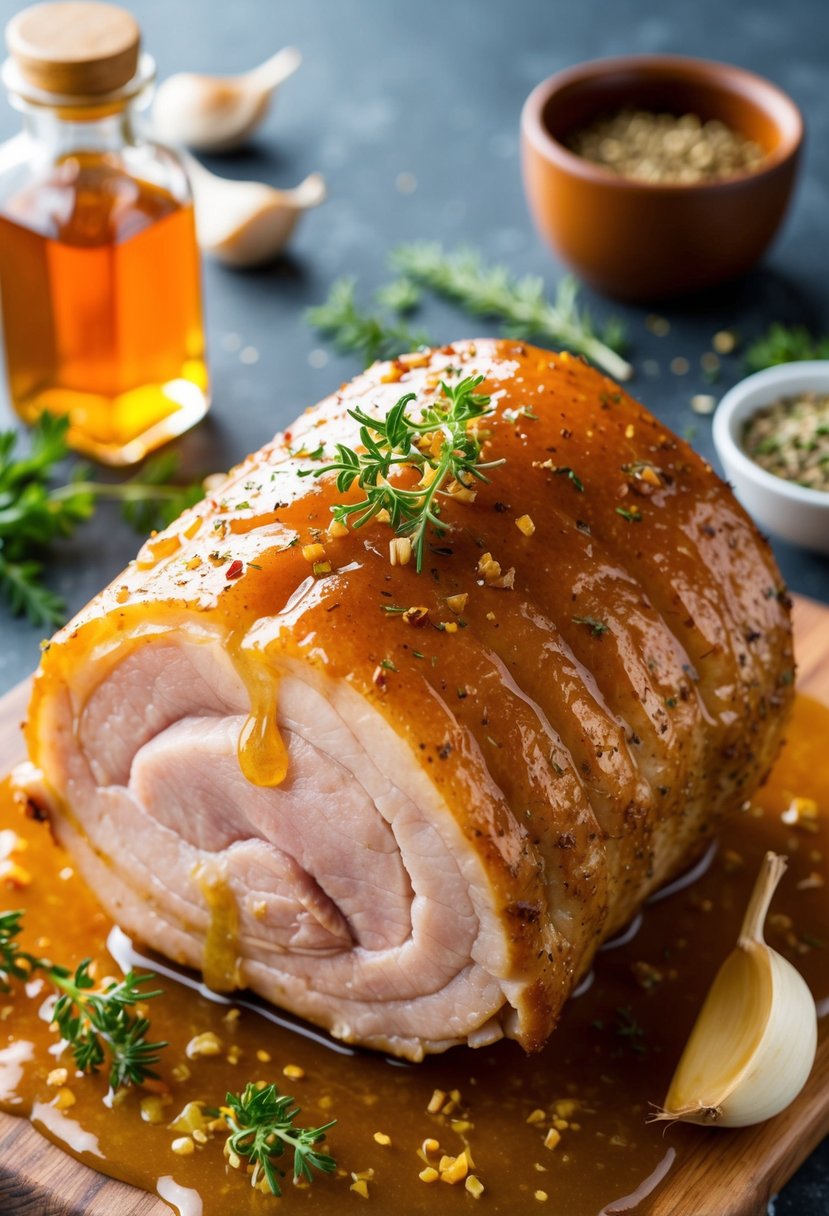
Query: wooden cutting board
column 731, row 1173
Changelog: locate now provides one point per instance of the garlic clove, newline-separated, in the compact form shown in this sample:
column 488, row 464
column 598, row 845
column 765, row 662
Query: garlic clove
column 218, row 113
column 248, row 223
column 753, row 1045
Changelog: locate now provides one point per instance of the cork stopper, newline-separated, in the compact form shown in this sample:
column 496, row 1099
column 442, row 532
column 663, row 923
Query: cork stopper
column 75, row 48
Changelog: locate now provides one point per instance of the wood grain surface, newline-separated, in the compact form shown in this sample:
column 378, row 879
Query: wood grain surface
column 731, row 1173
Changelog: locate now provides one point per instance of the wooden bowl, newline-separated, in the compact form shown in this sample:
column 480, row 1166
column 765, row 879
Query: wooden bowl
column 649, row 241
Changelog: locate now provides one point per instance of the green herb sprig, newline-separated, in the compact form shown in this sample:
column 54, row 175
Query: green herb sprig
column 785, row 344
column 370, row 335
column 520, row 303
column 392, row 442
column 35, row 512
column 98, row 1026
column 262, row 1129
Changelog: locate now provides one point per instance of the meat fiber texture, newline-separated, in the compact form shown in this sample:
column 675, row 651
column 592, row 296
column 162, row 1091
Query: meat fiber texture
column 440, row 822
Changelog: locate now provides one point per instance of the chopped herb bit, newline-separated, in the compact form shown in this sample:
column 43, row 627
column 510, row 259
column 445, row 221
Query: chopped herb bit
column 596, row 627
column 633, row 516
column 388, row 664
column 567, row 472
column 626, row 1027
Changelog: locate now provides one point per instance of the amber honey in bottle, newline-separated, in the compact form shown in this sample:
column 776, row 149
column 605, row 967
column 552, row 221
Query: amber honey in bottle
column 99, row 266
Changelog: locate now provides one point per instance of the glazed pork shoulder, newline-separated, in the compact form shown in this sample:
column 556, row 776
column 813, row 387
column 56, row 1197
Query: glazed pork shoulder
column 416, row 828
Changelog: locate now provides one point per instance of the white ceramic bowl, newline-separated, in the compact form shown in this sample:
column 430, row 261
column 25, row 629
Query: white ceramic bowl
column 795, row 513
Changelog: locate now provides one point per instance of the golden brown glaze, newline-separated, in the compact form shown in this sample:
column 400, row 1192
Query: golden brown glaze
column 582, row 766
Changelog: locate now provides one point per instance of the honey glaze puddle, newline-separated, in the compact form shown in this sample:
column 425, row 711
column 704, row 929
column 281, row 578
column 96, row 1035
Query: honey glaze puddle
column 611, row 1057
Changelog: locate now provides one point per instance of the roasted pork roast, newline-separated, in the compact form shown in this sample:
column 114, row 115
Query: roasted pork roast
column 409, row 807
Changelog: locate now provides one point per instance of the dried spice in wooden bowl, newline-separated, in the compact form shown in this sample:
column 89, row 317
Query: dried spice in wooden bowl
column 665, row 148
column 790, row 438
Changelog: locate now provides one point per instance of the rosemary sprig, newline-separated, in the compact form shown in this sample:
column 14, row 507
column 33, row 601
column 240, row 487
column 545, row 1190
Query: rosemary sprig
column 785, row 344
column 96, row 1025
column 34, row 512
column 370, row 335
column 439, row 445
column 261, row 1122
column 520, row 303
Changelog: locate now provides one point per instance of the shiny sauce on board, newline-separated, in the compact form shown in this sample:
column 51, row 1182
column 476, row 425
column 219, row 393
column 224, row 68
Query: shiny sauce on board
column 563, row 1132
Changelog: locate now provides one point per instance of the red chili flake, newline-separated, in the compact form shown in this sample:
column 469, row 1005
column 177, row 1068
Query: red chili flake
column 234, row 570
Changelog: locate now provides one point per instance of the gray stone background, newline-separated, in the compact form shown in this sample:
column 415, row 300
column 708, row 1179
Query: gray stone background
column 411, row 112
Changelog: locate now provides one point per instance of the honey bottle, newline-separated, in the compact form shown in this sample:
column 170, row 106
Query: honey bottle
column 99, row 266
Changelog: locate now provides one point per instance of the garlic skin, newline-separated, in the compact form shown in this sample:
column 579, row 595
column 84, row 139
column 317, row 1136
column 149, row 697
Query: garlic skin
column 753, row 1045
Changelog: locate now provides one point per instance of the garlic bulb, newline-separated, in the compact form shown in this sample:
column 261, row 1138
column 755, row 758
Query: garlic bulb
column 753, row 1044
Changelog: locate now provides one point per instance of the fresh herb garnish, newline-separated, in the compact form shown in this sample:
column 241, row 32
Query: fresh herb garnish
column 439, row 445
column 633, row 517
column 98, row 1026
column 563, row 471
column 34, row 512
column 785, row 344
column 261, row 1122
column 369, row 335
column 597, row 628
column 520, row 303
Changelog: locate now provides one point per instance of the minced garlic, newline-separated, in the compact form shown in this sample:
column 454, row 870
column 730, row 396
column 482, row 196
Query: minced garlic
column 206, row 1044
column 400, row 551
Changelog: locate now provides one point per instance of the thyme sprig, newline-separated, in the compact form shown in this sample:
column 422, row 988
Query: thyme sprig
column 370, row 335
column 35, row 512
column 97, row 1026
column 439, row 445
column 262, row 1129
column 520, row 303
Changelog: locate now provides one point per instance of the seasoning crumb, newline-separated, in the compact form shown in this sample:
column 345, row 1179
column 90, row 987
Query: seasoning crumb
column 552, row 1139
column 293, row 1072
column 264, row 1057
column 457, row 603
column 436, row 1102
column 183, row 1146
column 474, row 1186
column 801, row 813
column 537, row 1116
column 206, row 1044
column 430, row 1145
column 660, row 326
column 429, row 1174
column 724, row 341
column 703, row 403
column 57, row 1077
column 337, row 529
column 360, row 1187
column 383, row 1139
column 541, row 1196
column 525, row 524
column 313, row 553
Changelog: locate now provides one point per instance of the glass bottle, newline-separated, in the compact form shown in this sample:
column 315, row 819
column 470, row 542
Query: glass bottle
column 99, row 266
